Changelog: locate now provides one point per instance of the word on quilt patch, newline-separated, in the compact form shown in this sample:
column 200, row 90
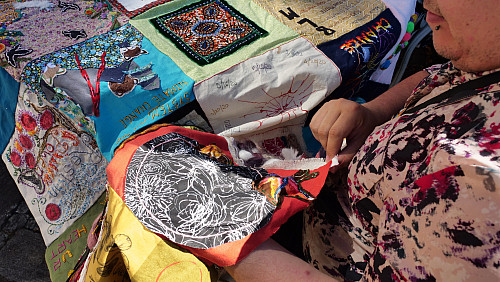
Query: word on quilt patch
column 118, row 80
column 320, row 20
column 56, row 164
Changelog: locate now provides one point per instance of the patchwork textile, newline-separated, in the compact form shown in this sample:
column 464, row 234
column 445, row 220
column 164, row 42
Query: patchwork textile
column 97, row 92
column 127, row 251
column 251, row 20
column 279, row 85
column 208, row 30
column 321, row 21
column 183, row 185
column 132, row 8
column 30, row 31
column 57, row 166
column 138, row 84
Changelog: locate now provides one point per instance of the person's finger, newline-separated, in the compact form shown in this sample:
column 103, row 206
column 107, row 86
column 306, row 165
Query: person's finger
column 322, row 125
column 355, row 141
column 342, row 127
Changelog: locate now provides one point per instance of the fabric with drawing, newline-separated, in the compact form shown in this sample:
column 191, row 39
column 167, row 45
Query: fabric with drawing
column 279, row 85
column 200, row 199
column 57, row 166
column 138, row 85
column 27, row 27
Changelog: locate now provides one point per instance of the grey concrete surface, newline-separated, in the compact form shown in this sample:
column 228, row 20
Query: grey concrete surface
column 22, row 248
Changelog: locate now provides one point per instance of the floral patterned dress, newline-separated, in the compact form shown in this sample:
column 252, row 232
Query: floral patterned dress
column 422, row 202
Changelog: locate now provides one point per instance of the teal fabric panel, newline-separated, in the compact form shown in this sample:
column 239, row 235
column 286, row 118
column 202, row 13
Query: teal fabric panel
column 120, row 117
column 9, row 89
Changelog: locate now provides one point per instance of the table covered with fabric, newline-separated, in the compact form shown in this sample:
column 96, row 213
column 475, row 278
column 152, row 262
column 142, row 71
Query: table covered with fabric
column 96, row 99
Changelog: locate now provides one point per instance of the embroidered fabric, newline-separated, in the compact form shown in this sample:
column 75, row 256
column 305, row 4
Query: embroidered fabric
column 208, row 30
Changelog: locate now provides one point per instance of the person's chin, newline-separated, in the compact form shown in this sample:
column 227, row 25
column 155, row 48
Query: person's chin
column 445, row 47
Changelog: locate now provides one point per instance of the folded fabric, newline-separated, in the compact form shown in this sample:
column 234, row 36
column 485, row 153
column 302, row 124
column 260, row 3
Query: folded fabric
column 57, row 165
column 183, row 184
column 132, row 8
column 25, row 28
column 136, row 84
column 127, row 251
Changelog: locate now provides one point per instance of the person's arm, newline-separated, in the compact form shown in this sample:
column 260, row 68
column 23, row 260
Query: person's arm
column 271, row 262
column 339, row 119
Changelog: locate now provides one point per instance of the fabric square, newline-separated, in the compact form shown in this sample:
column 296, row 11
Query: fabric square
column 139, row 85
column 26, row 31
column 208, row 30
column 57, row 165
column 261, row 92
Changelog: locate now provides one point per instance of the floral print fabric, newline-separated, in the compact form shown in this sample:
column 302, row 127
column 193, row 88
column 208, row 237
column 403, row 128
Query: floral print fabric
column 424, row 187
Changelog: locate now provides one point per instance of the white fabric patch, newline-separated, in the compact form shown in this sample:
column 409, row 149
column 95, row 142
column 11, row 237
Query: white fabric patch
column 277, row 86
column 132, row 5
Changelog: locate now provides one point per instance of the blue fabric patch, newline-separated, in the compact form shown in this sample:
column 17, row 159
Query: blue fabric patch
column 359, row 52
column 122, row 116
column 9, row 89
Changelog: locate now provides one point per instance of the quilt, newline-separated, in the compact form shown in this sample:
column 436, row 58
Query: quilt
column 97, row 105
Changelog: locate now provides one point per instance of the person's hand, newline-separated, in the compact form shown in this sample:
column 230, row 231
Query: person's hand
column 339, row 119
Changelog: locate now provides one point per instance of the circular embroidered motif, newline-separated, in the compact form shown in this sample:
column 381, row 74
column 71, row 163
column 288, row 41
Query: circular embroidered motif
column 52, row 211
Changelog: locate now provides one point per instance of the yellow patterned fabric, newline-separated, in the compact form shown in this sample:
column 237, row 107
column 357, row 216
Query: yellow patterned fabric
column 321, row 20
column 126, row 250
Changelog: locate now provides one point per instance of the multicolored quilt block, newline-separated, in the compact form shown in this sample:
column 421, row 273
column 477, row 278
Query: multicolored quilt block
column 208, row 30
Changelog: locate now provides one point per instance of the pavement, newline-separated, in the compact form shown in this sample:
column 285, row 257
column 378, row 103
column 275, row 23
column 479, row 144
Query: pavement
column 22, row 250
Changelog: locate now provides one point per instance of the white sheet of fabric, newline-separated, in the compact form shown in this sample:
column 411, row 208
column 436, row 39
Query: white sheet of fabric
column 277, row 86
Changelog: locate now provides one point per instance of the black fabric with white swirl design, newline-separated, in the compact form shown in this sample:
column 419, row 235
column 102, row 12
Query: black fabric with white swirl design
column 178, row 192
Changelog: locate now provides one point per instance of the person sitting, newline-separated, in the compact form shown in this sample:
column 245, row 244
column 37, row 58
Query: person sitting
column 423, row 200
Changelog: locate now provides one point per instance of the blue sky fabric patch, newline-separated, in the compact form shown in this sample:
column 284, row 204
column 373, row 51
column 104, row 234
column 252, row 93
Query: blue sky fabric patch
column 208, row 30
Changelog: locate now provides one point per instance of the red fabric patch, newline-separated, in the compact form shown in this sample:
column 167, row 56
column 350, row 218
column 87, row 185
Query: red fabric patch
column 229, row 253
